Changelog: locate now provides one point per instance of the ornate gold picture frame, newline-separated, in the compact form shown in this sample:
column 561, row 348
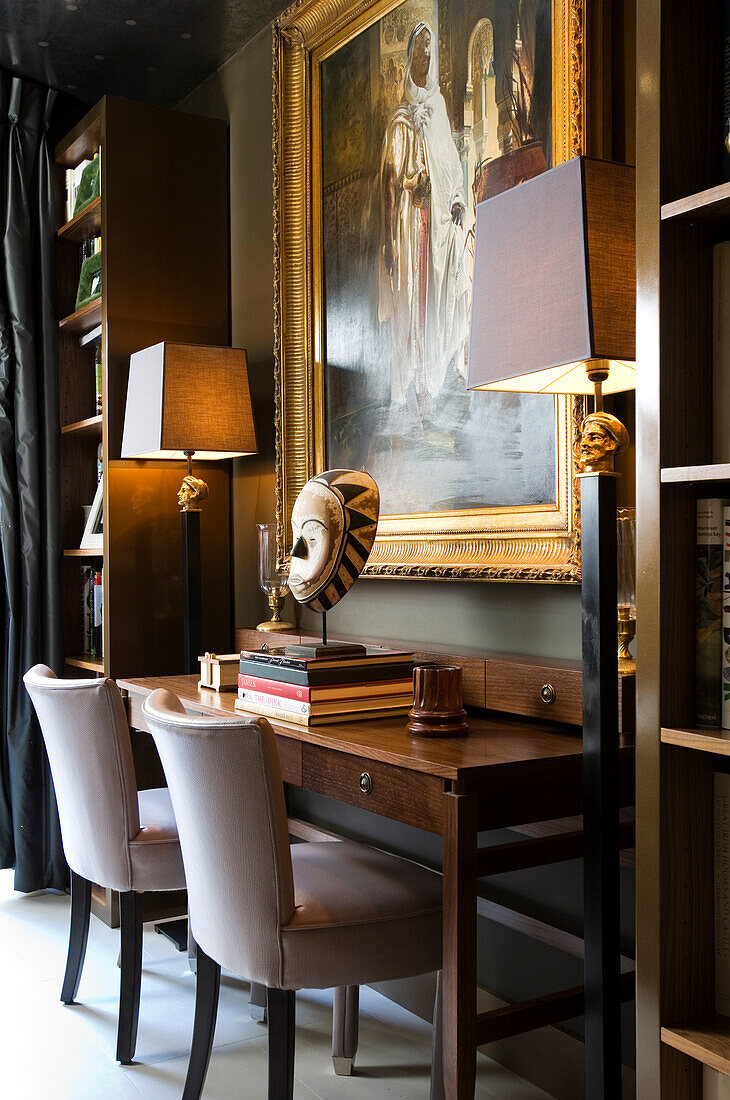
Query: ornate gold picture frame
column 521, row 541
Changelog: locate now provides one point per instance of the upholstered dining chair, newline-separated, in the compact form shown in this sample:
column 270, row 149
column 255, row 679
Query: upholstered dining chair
column 114, row 835
column 309, row 916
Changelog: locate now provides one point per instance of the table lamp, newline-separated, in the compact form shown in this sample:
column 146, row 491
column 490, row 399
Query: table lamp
column 554, row 311
column 186, row 400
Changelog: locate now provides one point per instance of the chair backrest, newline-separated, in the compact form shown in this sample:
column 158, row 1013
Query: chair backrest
column 227, row 793
column 86, row 734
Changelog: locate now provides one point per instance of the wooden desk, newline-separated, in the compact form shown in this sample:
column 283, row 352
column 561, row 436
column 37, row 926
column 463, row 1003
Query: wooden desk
column 506, row 772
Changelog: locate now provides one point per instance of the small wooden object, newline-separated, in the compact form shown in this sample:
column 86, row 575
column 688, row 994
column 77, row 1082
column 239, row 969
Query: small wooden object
column 219, row 672
column 437, row 709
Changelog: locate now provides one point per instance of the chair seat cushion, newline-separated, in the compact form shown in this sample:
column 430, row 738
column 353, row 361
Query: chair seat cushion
column 156, row 860
column 361, row 916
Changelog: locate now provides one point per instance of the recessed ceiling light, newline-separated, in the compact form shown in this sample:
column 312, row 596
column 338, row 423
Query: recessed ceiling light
column 131, row 22
column 186, row 35
column 98, row 57
column 72, row 7
column 44, row 44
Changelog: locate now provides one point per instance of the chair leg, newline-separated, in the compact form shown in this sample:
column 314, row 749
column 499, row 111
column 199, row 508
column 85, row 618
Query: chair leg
column 207, row 988
column 130, row 919
column 281, row 1007
column 345, row 1013
column 257, row 1002
column 77, row 937
column 437, row 1063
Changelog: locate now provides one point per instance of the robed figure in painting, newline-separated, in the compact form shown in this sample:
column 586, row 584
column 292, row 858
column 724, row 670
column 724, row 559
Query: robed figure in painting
column 424, row 280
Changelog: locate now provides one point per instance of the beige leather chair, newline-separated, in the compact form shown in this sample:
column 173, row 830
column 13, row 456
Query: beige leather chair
column 112, row 834
column 308, row 916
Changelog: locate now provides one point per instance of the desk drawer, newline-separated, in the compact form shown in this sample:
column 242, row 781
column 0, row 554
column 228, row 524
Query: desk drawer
column 553, row 694
column 409, row 796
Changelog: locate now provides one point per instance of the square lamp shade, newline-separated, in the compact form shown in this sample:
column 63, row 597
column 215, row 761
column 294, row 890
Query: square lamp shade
column 188, row 397
column 555, row 282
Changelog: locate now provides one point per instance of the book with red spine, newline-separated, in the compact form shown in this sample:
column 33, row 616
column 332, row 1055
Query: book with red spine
column 304, row 694
column 333, row 706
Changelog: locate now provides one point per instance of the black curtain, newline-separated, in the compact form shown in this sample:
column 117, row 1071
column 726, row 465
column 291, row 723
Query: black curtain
column 30, row 543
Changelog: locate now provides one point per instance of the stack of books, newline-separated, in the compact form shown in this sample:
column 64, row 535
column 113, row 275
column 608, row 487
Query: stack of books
column 314, row 691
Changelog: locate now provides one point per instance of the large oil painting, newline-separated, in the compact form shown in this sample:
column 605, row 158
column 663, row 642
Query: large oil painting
column 392, row 121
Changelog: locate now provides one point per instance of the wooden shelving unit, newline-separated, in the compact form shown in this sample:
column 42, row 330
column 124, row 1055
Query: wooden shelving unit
column 163, row 219
column 682, row 211
column 164, row 277
column 82, row 320
column 87, row 223
column 88, row 663
column 690, row 475
column 707, row 1042
column 92, row 425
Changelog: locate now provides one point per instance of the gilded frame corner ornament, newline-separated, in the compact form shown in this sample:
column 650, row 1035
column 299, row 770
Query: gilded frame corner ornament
column 538, row 543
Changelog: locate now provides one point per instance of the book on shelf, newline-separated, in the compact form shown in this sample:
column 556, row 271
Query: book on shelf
column 98, row 614
column 263, row 711
column 708, row 611
column 87, row 610
column 305, row 694
column 331, row 706
column 721, row 860
column 98, row 377
column 725, row 644
column 715, row 1085
column 726, row 91
column 721, row 352
column 73, row 179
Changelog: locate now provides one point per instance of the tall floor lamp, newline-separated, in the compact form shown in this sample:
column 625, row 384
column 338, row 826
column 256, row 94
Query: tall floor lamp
column 554, row 311
column 186, row 400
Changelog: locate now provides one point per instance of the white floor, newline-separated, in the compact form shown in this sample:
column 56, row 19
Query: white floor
column 67, row 1052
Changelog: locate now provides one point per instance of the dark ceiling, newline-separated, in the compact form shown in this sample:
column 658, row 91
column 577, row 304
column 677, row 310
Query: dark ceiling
column 151, row 50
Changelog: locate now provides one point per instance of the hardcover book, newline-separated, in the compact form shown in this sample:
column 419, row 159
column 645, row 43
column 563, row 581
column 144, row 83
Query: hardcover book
column 303, row 693
column 318, row 677
column 722, row 891
column 721, row 352
column 333, row 706
column 708, row 611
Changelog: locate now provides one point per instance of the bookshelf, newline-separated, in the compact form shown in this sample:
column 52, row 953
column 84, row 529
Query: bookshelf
column 163, row 219
column 683, row 210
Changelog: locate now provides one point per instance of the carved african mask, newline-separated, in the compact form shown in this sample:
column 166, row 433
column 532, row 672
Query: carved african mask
column 334, row 521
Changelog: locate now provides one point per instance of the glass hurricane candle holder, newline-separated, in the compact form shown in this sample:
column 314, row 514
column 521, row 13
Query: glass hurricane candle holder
column 626, row 545
column 273, row 578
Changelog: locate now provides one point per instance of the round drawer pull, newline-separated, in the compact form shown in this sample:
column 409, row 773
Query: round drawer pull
column 547, row 693
column 366, row 783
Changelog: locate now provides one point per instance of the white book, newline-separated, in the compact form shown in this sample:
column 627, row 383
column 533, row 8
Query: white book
column 721, row 352
column 715, row 1086
column 721, row 854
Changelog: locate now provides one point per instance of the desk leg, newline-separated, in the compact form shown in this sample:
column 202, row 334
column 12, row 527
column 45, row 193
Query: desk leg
column 460, row 945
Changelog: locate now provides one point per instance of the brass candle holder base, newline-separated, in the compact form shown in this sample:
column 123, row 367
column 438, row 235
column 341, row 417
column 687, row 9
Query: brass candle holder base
column 275, row 624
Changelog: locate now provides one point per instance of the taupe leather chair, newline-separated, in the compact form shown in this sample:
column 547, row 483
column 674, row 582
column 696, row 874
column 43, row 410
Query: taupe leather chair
column 114, row 835
column 312, row 915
